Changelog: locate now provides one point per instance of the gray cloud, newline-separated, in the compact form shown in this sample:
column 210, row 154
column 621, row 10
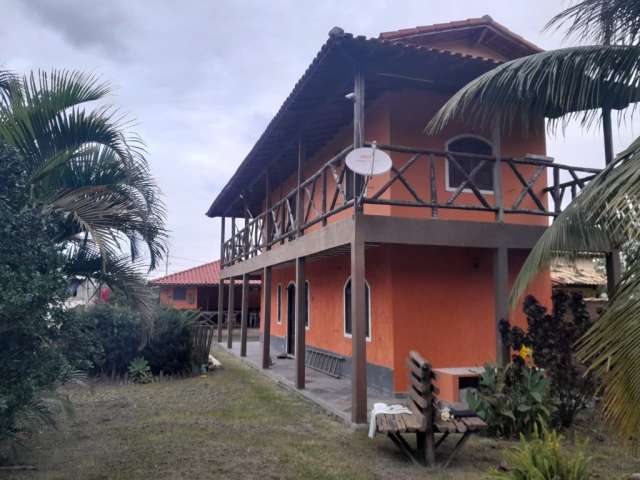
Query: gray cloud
column 85, row 25
column 203, row 78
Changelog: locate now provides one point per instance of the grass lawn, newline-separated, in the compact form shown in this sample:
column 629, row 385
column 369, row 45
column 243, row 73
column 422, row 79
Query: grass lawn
column 237, row 424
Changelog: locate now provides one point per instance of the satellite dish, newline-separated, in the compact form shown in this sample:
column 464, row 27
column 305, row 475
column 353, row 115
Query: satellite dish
column 368, row 161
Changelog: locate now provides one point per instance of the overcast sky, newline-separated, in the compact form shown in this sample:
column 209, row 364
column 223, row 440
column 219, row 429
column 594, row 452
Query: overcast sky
column 203, row 78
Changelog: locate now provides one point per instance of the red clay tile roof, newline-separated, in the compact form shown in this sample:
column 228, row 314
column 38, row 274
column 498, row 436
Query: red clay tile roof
column 277, row 136
column 207, row 274
column 485, row 20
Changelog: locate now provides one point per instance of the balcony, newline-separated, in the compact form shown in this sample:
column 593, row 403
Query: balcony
column 537, row 187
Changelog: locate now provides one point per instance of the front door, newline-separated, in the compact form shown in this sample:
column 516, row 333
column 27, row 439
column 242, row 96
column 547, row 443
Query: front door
column 291, row 319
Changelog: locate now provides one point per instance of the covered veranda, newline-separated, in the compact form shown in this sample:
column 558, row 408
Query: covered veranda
column 332, row 394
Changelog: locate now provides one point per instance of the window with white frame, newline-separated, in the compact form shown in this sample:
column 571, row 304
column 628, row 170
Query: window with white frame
column 279, row 304
column 347, row 308
column 475, row 145
column 307, row 303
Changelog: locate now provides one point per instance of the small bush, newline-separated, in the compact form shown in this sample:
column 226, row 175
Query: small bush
column 106, row 338
column 80, row 343
column 512, row 400
column 552, row 337
column 139, row 370
column 542, row 458
column 169, row 349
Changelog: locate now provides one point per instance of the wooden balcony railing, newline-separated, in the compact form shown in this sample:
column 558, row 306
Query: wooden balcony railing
column 325, row 193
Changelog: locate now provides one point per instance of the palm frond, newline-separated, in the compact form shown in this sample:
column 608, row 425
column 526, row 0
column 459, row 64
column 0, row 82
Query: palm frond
column 570, row 83
column 604, row 215
column 612, row 348
column 84, row 163
column 119, row 273
column 600, row 21
column 112, row 201
column 8, row 80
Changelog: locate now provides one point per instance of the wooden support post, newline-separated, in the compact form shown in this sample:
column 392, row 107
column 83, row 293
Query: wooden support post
column 233, row 240
column 245, row 238
column 497, row 173
column 244, row 316
column 614, row 271
column 557, row 199
column 358, row 328
column 300, row 314
column 612, row 259
column 324, row 197
column 358, row 110
column 223, row 222
column 220, row 309
column 221, row 284
column 266, row 317
column 358, row 129
column 230, row 312
column 267, row 209
column 501, row 286
column 299, row 198
column 607, row 131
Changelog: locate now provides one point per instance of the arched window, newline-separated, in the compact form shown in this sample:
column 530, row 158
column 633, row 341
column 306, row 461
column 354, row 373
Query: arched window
column 307, row 303
column 483, row 178
column 347, row 308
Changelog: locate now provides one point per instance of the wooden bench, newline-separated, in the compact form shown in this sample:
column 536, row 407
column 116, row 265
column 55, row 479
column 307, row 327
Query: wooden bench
column 425, row 419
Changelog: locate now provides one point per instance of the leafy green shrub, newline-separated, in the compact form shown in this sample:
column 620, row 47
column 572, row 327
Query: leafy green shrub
column 512, row 400
column 105, row 338
column 542, row 458
column 119, row 331
column 33, row 288
column 80, row 343
column 552, row 337
column 139, row 370
column 169, row 349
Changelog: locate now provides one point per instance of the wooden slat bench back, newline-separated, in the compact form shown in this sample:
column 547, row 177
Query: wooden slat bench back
column 424, row 420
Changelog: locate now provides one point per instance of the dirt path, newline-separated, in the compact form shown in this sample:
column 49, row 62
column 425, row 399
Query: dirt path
column 234, row 424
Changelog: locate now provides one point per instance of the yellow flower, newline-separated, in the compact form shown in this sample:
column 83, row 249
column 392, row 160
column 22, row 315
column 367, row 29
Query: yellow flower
column 525, row 352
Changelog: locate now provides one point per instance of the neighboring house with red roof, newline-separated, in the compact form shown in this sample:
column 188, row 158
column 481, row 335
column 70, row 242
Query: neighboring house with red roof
column 197, row 289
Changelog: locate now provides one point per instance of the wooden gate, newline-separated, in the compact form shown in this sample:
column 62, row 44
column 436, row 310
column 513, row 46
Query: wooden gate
column 203, row 331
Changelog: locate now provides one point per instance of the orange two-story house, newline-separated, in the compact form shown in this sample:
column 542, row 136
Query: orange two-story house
column 419, row 258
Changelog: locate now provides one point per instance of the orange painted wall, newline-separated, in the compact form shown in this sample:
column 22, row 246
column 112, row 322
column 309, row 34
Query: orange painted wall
column 436, row 300
column 443, row 305
column 327, row 278
column 166, row 298
column 190, row 302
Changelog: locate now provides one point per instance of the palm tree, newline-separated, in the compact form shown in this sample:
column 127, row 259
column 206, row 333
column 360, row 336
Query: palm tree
column 87, row 170
column 581, row 83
